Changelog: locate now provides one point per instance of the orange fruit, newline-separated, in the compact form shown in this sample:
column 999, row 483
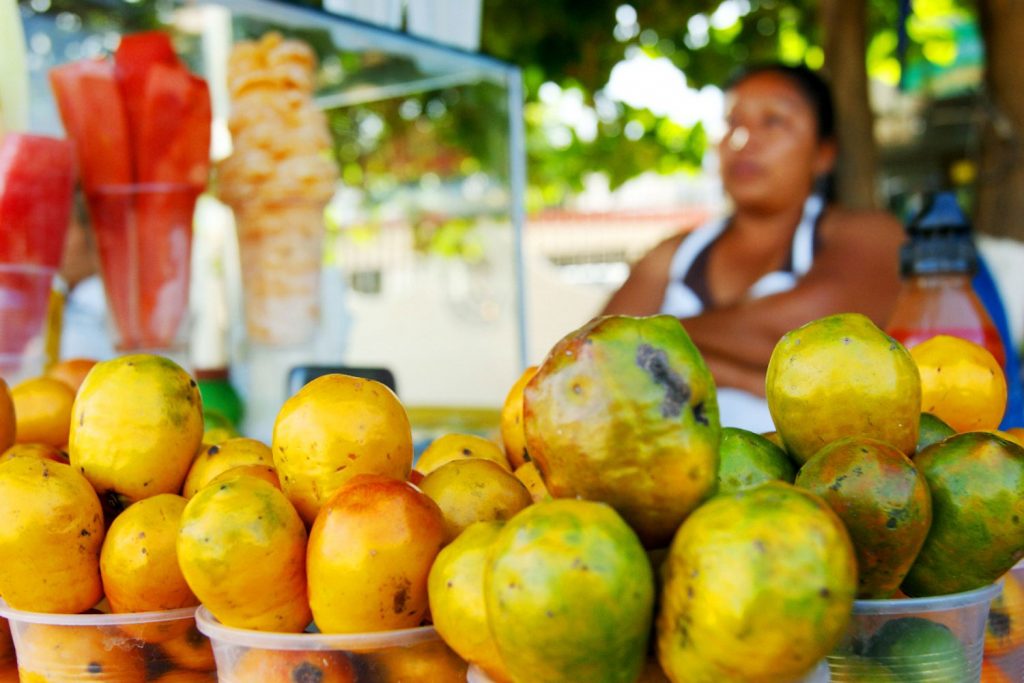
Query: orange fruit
column 288, row 666
column 136, row 425
column 223, row 456
column 991, row 673
column 334, row 428
column 71, row 371
column 449, row 447
column 512, row 431
column 34, row 450
column 42, row 409
column 264, row 472
column 190, row 650
column 78, row 653
column 139, row 560
column 961, row 383
column 1004, row 630
column 474, row 490
column 369, row 554
column 7, row 421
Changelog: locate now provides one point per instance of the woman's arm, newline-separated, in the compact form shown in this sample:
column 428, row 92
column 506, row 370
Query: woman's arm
column 644, row 289
column 856, row 270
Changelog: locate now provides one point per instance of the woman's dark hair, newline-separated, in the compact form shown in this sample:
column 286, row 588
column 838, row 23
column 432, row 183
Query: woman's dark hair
column 812, row 86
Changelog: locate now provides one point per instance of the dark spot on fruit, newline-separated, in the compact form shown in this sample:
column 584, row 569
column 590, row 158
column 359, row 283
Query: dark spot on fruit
column 307, row 673
column 94, row 668
column 145, row 552
column 401, row 597
column 891, row 523
column 449, row 584
column 825, row 592
column 689, row 591
column 846, row 341
column 892, row 347
column 838, row 483
column 1016, row 519
column 467, row 452
column 759, row 546
column 213, row 450
column 192, row 383
column 81, row 418
column 655, row 363
column 353, row 456
column 339, row 468
column 577, row 388
column 84, row 532
column 999, row 623
column 700, row 414
column 550, row 614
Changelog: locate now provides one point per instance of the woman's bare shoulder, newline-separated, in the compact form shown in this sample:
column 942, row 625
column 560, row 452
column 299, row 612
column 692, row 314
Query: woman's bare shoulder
column 842, row 220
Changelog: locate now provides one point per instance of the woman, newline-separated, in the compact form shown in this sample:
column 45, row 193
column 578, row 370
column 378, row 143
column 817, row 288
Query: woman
column 784, row 257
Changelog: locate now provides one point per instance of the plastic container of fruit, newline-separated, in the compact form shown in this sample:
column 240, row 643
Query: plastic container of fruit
column 110, row 647
column 1004, row 631
column 920, row 639
column 413, row 654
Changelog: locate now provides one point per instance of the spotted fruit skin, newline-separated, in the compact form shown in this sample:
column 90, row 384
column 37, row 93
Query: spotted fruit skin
column 758, row 586
column 842, row 376
column 977, row 534
column 883, row 501
column 569, row 594
column 624, row 411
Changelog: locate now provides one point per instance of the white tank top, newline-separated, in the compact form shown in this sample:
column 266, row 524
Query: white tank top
column 682, row 302
column 738, row 408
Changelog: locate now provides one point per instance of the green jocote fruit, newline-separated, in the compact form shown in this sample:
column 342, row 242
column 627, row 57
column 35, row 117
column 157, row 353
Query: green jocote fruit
column 977, row 534
column 747, row 459
column 758, row 588
column 842, row 376
column 569, row 594
column 883, row 501
column 624, row 411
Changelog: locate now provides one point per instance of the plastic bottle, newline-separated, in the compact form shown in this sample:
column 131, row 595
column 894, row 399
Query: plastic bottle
column 937, row 263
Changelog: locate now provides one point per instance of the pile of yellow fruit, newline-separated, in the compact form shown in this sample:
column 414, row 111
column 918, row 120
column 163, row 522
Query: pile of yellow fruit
column 615, row 511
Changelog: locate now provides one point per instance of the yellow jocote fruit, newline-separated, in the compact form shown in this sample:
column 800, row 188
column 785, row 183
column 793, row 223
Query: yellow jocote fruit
column 334, row 428
column 42, row 408
column 449, row 447
column 50, row 537
column 757, row 586
column 136, row 425
column 961, row 383
column 513, row 433
column 221, row 457
column 474, row 490
column 139, row 560
column 842, row 376
column 370, row 551
column 457, row 605
column 242, row 550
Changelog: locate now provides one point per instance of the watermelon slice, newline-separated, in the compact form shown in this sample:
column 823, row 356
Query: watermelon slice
column 173, row 135
column 135, row 57
column 36, row 189
column 90, row 106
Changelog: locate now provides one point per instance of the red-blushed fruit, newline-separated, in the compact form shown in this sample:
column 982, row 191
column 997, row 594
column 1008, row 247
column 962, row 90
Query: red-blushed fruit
column 370, row 551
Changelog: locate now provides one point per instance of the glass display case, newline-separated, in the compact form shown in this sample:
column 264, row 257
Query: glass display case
column 422, row 270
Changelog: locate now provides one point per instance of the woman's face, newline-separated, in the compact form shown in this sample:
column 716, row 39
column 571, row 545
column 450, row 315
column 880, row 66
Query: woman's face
column 770, row 154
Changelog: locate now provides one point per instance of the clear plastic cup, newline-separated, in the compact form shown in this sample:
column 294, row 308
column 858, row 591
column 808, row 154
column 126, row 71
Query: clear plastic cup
column 1004, row 631
column 926, row 640
column 24, row 300
column 110, row 648
column 280, row 245
column 144, row 238
column 414, row 654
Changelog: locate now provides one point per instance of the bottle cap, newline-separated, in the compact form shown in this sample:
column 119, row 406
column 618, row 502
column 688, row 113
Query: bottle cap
column 940, row 239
